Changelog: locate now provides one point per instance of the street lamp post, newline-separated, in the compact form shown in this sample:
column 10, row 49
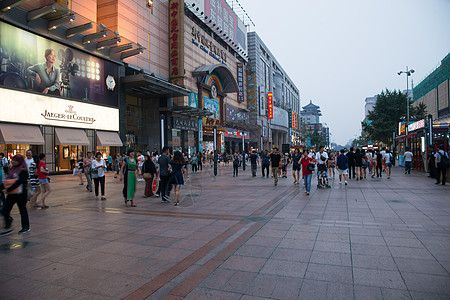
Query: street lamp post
column 408, row 73
column 215, row 150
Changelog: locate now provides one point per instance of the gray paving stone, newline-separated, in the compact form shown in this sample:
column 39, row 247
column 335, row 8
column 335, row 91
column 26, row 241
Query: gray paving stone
column 313, row 289
column 395, row 294
column 374, row 262
column 378, row 278
column 367, row 293
column 332, row 247
column 420, row 266
column 367, row 249
column 329, row 273
column 331, row 258
column 427, row 283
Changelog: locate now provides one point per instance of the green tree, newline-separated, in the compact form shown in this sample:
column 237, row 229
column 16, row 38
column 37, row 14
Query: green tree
column 389, row 110
column 418, row 112
column 317, row 139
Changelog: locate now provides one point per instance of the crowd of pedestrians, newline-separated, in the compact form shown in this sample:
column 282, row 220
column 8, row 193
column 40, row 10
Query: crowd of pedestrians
column 26, row 179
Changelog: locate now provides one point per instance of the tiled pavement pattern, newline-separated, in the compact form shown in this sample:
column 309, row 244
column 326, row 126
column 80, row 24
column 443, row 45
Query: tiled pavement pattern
column 236, row 238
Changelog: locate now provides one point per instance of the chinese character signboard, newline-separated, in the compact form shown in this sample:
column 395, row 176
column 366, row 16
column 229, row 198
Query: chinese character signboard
column 176, row 38
column 416, row 125
column 240, row 81
column 185, row 124
column 270, row 105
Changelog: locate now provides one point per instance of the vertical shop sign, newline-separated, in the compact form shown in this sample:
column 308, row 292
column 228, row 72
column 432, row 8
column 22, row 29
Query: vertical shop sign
column 291, row 119
column 240, row 81
column 270, row 105
column 200, row 135
column 176, row 38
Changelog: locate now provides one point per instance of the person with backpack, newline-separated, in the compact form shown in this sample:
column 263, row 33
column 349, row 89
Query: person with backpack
column 442, row 164
column 408, row 160
column 388, row 159
column 236, row 162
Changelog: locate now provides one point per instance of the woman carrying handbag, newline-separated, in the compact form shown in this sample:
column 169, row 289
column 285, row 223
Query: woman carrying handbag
column 15, row 187
column 307, row 164
column 149, row 170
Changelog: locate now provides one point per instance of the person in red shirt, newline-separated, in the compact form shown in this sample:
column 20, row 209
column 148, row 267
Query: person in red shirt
column 307, row 174
column 42, row 172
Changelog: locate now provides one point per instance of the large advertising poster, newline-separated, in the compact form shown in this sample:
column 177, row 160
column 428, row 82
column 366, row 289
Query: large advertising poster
column 31, row 62
column 212, row 105
column 223, row 17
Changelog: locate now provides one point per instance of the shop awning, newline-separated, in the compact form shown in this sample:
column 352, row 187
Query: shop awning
column 20, row 134
column 108, row 138
column 69, row 136
column 149, row 85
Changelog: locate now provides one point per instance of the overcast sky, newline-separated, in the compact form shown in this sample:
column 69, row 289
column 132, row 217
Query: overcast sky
column 340, row 52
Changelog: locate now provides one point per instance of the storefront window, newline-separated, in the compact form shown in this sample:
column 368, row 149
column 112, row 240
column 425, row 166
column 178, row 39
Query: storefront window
column 66, row 156
column 176, row 140
column 12, row 149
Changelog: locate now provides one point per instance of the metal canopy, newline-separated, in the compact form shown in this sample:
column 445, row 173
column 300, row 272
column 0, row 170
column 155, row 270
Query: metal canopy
column 148, row 85
column 188, row 111
column 227, row 79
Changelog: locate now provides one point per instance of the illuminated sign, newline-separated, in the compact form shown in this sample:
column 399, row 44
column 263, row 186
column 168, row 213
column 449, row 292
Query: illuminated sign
column 401, row 128
column 74, row 74
column 270, row 105
column 45, row 110
column 240, row 81
column 416, row 125
column 294, row 120
column 176, row 38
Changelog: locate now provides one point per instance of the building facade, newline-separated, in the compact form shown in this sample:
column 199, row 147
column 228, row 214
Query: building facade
column 434, row 92
column 273, row 99
column 60, row 74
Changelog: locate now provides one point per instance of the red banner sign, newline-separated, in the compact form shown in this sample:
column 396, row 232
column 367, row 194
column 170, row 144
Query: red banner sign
column 270, row 105
column 176, row 38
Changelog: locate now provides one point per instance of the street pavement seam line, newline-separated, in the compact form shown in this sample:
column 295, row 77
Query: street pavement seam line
column 165, row 277
column 185, row 287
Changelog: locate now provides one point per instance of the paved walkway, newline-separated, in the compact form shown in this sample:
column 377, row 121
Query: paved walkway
column 236, row 238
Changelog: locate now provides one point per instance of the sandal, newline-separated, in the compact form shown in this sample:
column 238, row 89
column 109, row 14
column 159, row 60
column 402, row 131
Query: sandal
column 133, row 205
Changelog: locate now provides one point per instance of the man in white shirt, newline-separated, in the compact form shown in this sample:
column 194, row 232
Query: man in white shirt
column 408, row 161
column 322, row 159
column 29, row 159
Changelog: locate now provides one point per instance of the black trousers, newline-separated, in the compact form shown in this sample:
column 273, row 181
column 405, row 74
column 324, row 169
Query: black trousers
column 164, row 185
column 254, row 169
column 379, row 169
column 351, row 170
column 441, row 170
column 265, row 167
column 194, row 168
column 200, row 164
column 100, row 180
column 235, row 170
column 21, row 200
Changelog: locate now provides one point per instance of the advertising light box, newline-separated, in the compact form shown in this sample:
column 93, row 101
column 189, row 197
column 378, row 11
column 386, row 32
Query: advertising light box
column 31, row 62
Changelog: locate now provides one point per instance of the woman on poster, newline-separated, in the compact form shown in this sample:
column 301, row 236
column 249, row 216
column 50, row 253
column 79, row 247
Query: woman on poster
column 46, row 75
